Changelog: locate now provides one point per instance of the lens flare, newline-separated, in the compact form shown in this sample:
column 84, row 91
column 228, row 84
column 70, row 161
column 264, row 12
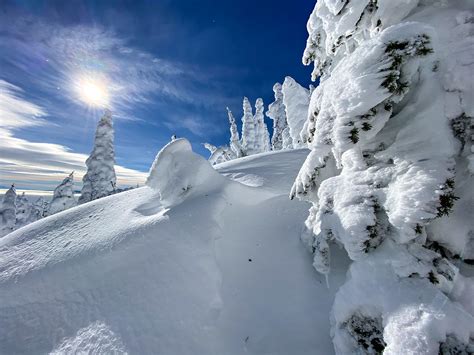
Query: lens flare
column 92, row 90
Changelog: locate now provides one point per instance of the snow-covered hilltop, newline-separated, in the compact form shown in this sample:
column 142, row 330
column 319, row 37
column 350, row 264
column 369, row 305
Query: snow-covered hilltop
column 218, row 269
column 212, row 257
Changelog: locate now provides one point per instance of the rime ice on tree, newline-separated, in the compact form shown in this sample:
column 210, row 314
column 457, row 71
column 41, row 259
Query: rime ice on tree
column 388, row 172
column 219, row 154
column 100, row 180
column 235, row 145
column 248, row 129
column 63, row 197
column 262, row 138
column 23, row 211
column 276, row 111
column 8, row 212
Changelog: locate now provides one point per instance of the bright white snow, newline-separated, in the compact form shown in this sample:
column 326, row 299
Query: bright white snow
column 223, row 272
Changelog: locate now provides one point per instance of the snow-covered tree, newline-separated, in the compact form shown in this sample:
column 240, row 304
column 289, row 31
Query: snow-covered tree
column 276, row 112
column 100, row 180
column 262, row 137
column 248, row 129
column 38, row 209
column 219, row 154
column 388, row 173
column 24, row 209
column 296, row 101
column 63, row 197
column 8, row 212
column 235, row 144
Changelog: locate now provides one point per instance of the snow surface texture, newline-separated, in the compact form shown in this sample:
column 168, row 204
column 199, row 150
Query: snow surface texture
column 220, row 270
column 389, row 174
column 100, row 179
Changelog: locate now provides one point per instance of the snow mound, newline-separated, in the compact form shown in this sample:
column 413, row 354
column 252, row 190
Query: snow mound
column 223, row 272
column 178, row 173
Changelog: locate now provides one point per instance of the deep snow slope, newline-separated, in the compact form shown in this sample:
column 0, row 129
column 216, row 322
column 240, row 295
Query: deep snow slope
column 224, row 272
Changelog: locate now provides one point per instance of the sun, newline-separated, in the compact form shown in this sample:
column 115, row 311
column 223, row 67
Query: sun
column 92, row 90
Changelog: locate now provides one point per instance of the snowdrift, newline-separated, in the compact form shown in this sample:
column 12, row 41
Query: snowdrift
column 219, row 271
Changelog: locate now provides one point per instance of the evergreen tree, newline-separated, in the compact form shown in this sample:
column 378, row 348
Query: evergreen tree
column 296, row 101
column 63, row 197
column 276, row 112
column 8, row 212
column 100, row 180
column 235, row 145
column 262, row 137
column 38, row 210
column 388, row 173
column 23, row 211
column 248, row 129
column 219, row 154
column 210, row 147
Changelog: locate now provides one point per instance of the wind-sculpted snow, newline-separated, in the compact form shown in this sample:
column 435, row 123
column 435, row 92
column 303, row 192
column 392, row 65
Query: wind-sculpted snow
column 222, row 272
column 388, row 129
column 178, row 173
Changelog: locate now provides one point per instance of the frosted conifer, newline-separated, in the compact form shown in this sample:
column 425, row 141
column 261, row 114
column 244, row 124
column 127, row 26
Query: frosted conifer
column 100, row 180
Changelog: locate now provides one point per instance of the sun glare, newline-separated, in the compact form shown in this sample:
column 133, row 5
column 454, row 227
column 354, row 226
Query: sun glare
column 92, row 91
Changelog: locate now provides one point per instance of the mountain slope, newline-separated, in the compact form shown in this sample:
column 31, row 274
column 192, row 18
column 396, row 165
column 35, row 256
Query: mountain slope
column 222, row 272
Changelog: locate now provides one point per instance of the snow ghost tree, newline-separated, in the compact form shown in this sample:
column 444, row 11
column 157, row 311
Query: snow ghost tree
column 248, row 129
column 235, row 145
column 276, row 112
column 100, row 180
column 63, row 197
column 8, row 212
column 178, row 173
column 262, row 137
column 219, row 154
column 296, row 101
column 38, row 209
column 24, row 209
column 389, row 173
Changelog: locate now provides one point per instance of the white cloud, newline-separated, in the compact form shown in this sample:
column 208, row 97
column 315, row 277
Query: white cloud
column 16, row 112
column 38, row 165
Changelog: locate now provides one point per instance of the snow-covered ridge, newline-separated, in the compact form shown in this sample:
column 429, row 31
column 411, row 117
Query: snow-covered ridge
column 124, row 273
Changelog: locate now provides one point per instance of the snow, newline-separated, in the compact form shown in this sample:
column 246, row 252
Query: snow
column 63, row 197
column 296, row 101
column 100, row 179
column 276, row 112
column 126, row 272
column 389, row 170
column 8, row 212
column 178, row 173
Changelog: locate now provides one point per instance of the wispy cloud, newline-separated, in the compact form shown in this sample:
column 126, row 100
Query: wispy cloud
column 16, row 112
column 56, row 55
column 38, row 165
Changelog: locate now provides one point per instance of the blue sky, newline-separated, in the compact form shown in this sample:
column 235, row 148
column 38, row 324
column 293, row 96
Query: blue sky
column 170, row 67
